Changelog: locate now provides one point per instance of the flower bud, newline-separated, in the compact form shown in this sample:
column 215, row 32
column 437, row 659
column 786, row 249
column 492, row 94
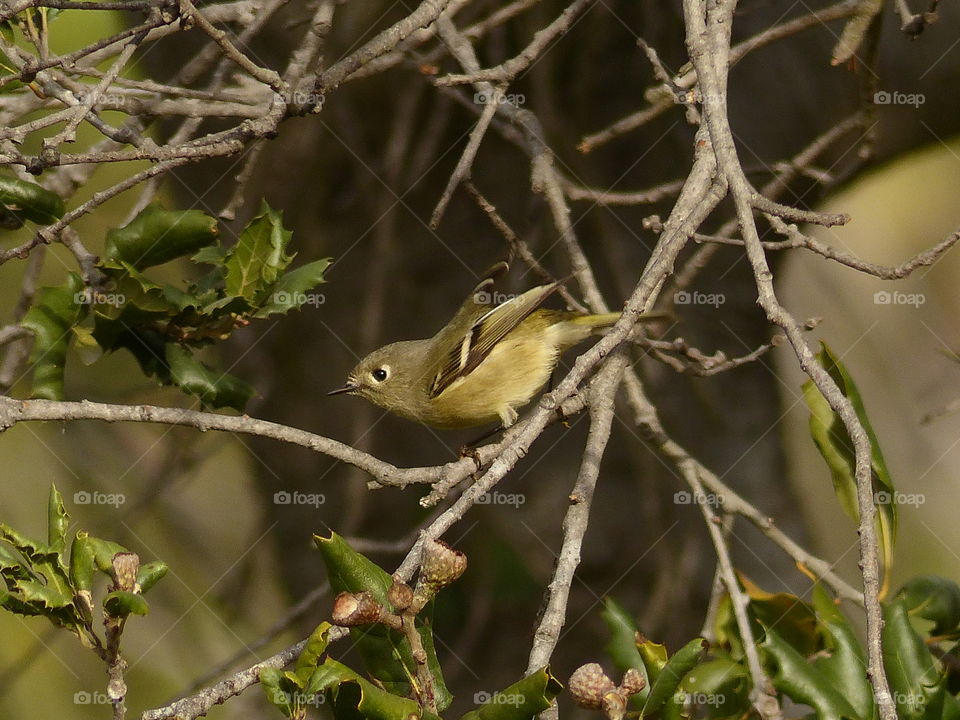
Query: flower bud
column 632, row 683
column 353, row 609
column 588, row 685
column 440, row 564
column 400, row 595
column 125, row 567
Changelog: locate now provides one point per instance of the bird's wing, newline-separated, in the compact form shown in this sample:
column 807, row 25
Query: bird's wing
column 469, row 350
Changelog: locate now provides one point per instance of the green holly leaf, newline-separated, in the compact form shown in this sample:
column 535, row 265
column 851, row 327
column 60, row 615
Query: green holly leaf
column 53, row 315
column 933, row 598
column 354, row 698
column 82, row 566
column 523, row 700
column 254, row 264
column 667, row 682
column 794, row 619
column 35, row 580
column 918, row 686
column 156, row 236
column 150, row 573
column 121, row 603
column 57, row 521
column 214, row 388
column 721, row 685
column 310, row 655
column 622, row 646
column 834, row 443
column 803, row 683
column 292, row 290
column 842, row 660
column 21, row 200
column 280, row 691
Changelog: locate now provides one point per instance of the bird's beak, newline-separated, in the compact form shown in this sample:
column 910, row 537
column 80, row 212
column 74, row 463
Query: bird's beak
column 351, row 386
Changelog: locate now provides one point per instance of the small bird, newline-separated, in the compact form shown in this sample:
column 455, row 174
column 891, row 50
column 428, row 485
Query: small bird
column 486, row 362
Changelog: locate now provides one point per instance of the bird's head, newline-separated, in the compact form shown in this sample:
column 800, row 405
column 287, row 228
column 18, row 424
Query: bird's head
column 393, row 377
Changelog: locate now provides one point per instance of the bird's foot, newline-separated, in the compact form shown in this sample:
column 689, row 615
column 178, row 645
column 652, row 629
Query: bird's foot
column 470, row 451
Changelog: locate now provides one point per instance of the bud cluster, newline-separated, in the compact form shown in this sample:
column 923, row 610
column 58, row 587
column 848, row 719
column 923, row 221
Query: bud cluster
column 590, row 688
column 440, row 565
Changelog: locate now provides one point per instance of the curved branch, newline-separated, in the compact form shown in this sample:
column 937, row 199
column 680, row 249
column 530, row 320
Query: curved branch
column 16, row 411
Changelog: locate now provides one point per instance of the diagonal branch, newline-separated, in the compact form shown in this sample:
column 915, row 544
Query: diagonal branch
column 578, row 513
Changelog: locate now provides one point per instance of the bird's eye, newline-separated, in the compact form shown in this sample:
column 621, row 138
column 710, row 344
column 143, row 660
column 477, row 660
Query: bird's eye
column 380, row 374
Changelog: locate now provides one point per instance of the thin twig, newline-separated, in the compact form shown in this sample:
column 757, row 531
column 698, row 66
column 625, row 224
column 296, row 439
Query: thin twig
column 427, row 12
column 200, row 704
column 577, row 518
column 717, row 588
column 762, row 693
column 519, row 248
column 462, row 170
column 268, row 77
column 510, row 69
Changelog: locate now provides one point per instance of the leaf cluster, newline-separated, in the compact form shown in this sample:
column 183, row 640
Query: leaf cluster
column 163, row 325
column 389, row 689
column 41, row 578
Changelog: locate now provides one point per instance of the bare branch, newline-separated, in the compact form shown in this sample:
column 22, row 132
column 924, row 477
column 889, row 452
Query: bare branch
column 762, row 693
column 507, row 71
column 268, row 77
column 708, row 42
column 17, row 411
column 200, row 704
column 427, row 12
column 577, row 518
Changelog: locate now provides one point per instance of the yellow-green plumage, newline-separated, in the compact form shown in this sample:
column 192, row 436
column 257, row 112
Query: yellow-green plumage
column 483, row 365
column 517, row 367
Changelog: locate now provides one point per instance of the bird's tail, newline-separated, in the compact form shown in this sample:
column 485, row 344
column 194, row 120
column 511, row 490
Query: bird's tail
column 602, row 321
column 579, row 327
column 590, row 324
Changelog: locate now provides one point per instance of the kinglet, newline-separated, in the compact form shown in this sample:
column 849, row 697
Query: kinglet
column 488, row 360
